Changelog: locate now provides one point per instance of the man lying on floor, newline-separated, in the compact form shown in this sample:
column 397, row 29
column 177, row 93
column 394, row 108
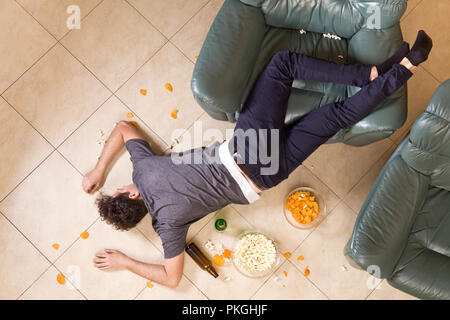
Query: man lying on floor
column 178, row 194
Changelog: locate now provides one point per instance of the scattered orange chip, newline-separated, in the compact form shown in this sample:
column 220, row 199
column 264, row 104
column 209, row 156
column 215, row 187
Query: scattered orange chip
column 196, row 57
column 55, row 246
column 300, row 258
column 174, row 114
column 285, row 273
column 168, row 87
column 219, row 260
column 227, row 253
column 143, row 92
column 307, row 272
column 134, row 123
column 84, row 235
column 61, row 279
column 130, row 115
column 287, row 255
column 150, row 285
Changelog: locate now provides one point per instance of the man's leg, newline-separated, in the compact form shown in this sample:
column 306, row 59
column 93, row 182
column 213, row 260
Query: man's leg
column 269, row 97
column 266, row 105
column 321, row 124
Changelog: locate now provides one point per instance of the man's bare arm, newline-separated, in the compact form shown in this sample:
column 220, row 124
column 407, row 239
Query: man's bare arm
column 168, row 274
column 123, row 132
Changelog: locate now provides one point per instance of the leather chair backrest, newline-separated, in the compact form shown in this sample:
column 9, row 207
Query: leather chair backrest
column 428, row 149
column 343, row 18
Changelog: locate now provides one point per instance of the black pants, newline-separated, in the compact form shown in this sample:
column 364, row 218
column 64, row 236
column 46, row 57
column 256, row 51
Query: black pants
column 266, row 107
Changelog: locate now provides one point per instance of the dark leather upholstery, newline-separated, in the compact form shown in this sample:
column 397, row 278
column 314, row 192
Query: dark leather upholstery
column 404, row 225
column 247, row 33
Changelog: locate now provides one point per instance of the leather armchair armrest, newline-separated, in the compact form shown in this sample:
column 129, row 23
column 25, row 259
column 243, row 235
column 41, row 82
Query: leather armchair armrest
column 386, row 217
column 227, row 59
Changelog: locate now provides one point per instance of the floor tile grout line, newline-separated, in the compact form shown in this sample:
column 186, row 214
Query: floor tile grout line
column 189, row 20
column 321, row 181
column 316, row 227
column 51, row 47
column 431, row 74
column 26, row 177
column 28, row 122
column 112, row 92
column 308, row 279
column 139, row 293
column 26, row 238
column 74, row 241
column 367, row 172
column 73, row 285
column 39, row 277
column 412, row 9
column 269, row 276
column 161, row 252
column 29, row 68
column 82, row 19
column 83, row 122
column 169, row 39
column 179, row 29
column 145, row 18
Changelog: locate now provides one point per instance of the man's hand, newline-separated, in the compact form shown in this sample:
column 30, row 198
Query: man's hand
column 111, row 259
column 92, row 181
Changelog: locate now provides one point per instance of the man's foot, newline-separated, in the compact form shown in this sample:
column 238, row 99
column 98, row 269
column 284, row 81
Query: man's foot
column 421, row 49
column 396, row 58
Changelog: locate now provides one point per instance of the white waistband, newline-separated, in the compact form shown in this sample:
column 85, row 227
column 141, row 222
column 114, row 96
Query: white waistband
column 227, row 160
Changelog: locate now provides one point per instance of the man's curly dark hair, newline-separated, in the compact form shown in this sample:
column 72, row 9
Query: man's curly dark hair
column 121, row 211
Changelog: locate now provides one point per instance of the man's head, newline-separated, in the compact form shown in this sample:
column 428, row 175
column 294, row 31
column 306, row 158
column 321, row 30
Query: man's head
column 124, row 209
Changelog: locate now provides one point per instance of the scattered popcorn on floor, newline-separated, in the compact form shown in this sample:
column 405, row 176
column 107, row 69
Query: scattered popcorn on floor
column 55, row 246
column 227, row 279
column 343, row 268
column 300, row 258
column 276, row 278
column 150, row 285
column 130, row 115
column 209, row 245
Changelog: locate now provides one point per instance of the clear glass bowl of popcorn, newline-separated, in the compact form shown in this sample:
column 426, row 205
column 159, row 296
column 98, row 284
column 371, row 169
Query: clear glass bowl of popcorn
column 255, row 254
column 304, row 208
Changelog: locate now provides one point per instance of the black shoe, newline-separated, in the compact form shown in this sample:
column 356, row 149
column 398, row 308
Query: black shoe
column 421, row 49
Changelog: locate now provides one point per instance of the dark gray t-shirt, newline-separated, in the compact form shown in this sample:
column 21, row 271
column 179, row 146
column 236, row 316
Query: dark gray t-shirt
column 178, row 194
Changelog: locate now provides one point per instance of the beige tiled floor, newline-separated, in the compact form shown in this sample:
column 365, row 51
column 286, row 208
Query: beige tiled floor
column 62, row 91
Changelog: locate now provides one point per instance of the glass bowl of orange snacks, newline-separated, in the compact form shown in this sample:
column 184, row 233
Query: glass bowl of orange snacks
column 304, row 208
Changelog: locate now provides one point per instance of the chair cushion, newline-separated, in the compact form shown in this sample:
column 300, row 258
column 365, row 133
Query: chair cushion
column 428, row 148
column 339, row 17
column 423, row 269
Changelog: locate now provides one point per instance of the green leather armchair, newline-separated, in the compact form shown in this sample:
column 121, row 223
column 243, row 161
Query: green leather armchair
column 403, row 227
column 247, row 33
